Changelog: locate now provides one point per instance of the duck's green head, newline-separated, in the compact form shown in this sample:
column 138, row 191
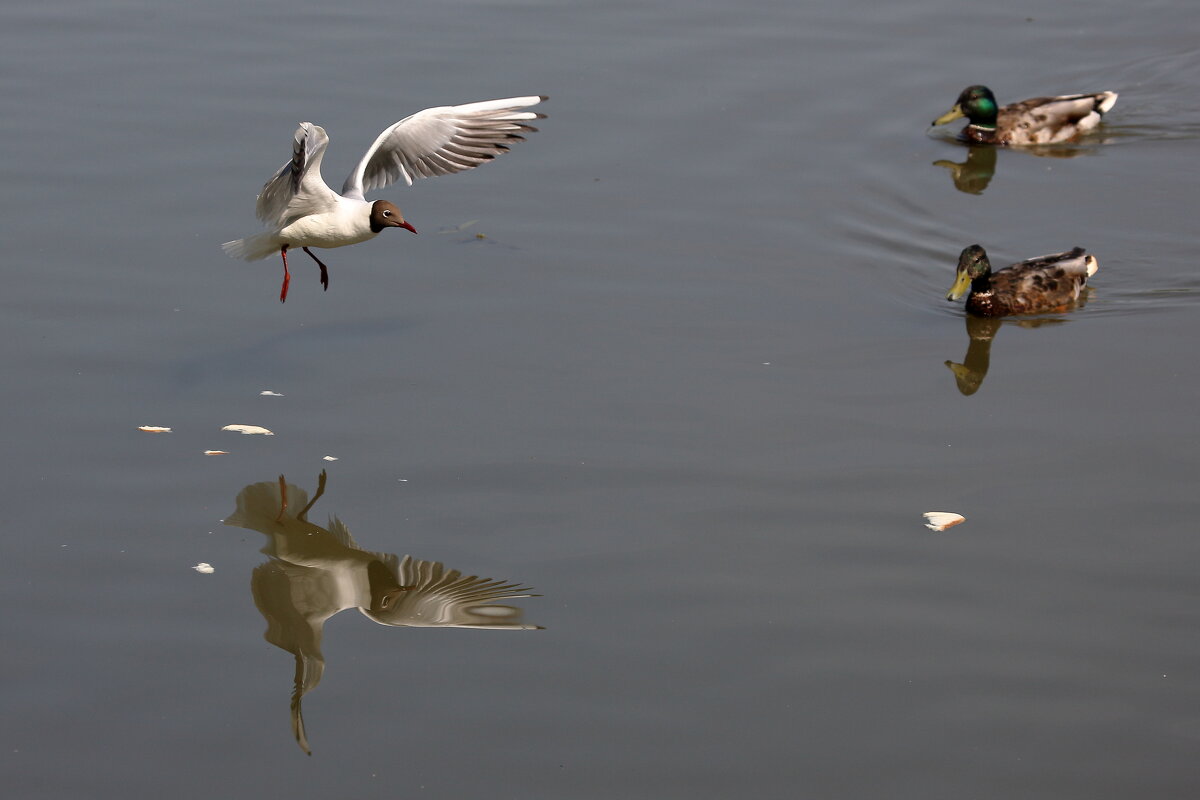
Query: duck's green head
column 976, row 103
column 972, row 263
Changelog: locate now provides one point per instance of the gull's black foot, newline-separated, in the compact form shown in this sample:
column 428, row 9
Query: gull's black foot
column 324, row 269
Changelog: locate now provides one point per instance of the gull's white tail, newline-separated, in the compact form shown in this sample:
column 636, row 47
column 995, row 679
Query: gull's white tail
column 253, row 248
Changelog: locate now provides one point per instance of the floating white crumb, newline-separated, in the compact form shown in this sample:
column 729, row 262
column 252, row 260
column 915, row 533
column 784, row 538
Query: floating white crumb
column 204, row 568
column 216, row 452
column 153, row 429
column 940, row 520
column 248, row 429
column 269, row 393
column 329, row 458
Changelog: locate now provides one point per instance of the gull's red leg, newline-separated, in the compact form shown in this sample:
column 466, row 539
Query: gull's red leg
column 287, row 276
column 324, row 269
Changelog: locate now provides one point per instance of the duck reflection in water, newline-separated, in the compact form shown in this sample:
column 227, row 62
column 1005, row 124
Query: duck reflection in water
column 973, row 175
column 314, row 572
column 969, row 375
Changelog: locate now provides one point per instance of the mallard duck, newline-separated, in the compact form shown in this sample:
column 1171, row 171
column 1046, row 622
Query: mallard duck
column 1040, row 120
column 1046, row 283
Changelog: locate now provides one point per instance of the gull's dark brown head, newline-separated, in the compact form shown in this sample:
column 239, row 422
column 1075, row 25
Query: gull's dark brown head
column 384, row 214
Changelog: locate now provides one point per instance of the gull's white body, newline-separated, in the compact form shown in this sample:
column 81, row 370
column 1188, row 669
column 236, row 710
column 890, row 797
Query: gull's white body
column 347, row 223
column 300, row 210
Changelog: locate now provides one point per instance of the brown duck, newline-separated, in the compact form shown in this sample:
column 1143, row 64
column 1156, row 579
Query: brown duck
column 1046, row 283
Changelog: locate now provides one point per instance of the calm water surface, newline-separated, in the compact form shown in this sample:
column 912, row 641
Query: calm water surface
column 694, row 384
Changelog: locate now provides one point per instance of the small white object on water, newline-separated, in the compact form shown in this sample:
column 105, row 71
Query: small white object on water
column 248, row 429
column 329, row 458
column 216, row 452
column 940, row 520
column 153, row 429
column 269, row 393
column 204, row 568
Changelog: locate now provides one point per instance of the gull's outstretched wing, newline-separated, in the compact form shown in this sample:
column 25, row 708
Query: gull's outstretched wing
column 442, row 140
column 297, row 189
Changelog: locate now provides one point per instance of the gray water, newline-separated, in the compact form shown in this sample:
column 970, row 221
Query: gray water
column 678, row 363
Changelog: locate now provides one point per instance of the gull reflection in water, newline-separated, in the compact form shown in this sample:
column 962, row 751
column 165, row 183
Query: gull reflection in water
column 313, row 573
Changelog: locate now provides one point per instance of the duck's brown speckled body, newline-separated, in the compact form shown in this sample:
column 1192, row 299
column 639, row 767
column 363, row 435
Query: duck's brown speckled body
column 1039, row 120
column 1046, row 283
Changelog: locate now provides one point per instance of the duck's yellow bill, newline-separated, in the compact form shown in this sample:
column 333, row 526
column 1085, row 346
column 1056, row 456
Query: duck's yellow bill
column 961, row 284
column 950, row 116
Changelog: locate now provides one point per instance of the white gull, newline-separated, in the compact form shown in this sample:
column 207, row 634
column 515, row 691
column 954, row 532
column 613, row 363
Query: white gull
column 300, row 210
